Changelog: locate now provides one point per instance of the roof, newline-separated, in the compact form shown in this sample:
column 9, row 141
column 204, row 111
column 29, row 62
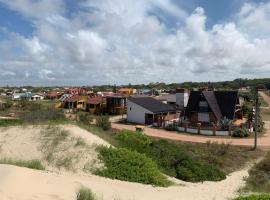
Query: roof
column 95, row 100
column 152, row 104
column 212, row 102
column 167, row 97
column 73, row 99
column 222, row 103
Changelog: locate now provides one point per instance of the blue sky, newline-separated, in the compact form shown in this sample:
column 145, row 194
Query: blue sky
column 85, row 42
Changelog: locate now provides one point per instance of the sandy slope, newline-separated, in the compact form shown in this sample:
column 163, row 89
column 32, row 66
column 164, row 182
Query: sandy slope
column 25, row 184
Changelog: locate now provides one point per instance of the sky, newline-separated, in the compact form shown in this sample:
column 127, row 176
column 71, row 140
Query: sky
column 94, row 42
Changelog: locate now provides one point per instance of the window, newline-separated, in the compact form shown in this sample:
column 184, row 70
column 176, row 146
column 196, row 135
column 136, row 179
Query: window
column 203, row 117
column 203, row 106
column 130, row 108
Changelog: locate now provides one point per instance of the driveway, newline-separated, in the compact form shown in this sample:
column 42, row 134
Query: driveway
column 263, row 141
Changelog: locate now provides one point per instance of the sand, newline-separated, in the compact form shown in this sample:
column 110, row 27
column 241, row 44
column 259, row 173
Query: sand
column 18, row 183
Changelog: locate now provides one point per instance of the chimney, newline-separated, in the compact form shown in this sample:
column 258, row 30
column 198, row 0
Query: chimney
column 182, row 97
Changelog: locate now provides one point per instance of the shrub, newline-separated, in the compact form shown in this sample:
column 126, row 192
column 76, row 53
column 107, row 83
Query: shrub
column 133, row 140
column 171, row 127
column 255, row 197
column 32, row 164
column 127, row 165
column 225, row 123
column 86, row 118
column 171, row 158
column 240, row 132
column 192, row 171
column 103, row 122
column 85, row 194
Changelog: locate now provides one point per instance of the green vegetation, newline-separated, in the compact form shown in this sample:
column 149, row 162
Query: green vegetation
column 10, row 122
column 103, row 122
column 127, row 165
column 42, row 116
column 240, row 133
column 177, row 160
column 86, row 118
column 32, row 164
column 255, row 197
column 85, row 194
column 259, row 176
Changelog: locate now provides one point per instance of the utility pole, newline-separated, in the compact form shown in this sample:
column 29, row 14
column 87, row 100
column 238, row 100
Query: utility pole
column 256, row 117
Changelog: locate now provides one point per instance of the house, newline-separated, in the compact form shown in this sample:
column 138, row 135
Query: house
column 76, row 91
column 116, row 104
column 76, row 102
column 126, row 91
column 54, row 95
column 37, row 97
column 21, row 96
column 96, row 105
column 149, row 111
column 207, row 107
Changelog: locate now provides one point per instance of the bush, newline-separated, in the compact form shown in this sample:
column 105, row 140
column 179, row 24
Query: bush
column 32, row 164
column 172, row 159
column 193, row 171
column 85, row 194
column 133, row 140
column 240, row 132
column 255, row 197
column 171, row 127
column 85, row 118
column 126, row 165
column 103, row 122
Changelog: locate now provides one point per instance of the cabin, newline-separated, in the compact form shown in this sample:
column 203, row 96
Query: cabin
column 150, row 111
column 96, row 105
column 116, row 104
column 208, row 107
column 76, row 102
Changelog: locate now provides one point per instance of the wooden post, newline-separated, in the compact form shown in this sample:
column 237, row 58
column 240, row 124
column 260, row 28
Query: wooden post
column 230, row 130
column 214, row 129
column 185, row 126
column 199, row 128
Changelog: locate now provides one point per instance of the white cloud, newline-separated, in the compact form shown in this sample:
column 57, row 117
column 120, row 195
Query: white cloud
column 121, row 42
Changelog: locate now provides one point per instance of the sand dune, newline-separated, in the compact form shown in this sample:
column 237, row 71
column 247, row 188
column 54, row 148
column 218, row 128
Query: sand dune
column 26, row 184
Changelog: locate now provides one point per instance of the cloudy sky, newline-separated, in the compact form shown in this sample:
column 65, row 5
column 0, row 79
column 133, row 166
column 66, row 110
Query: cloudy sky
column 86, row 42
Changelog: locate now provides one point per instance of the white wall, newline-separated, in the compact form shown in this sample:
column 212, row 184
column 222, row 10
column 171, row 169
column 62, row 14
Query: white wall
column 137, row 113
column 182, row 99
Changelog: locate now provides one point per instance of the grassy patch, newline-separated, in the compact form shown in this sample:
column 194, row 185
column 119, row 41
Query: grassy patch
column 85, row 194
column 127, row 165
column 187, row 161
column 10, row 122
column 32, row 164
column 106, row 135
column 255, row 197
column 52, row 138
column 259, row 176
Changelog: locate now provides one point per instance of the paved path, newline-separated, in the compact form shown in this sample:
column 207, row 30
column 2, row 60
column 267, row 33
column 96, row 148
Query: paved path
column 263, row 141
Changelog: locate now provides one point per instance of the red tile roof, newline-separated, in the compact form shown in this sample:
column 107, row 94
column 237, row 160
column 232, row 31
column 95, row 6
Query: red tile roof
column 73, row 98
column 95, row 100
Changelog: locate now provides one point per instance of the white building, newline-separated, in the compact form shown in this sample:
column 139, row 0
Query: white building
column 149, row 111
column 182, row 97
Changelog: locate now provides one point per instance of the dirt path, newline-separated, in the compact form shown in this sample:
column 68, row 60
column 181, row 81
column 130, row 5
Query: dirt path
column 263, row 141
